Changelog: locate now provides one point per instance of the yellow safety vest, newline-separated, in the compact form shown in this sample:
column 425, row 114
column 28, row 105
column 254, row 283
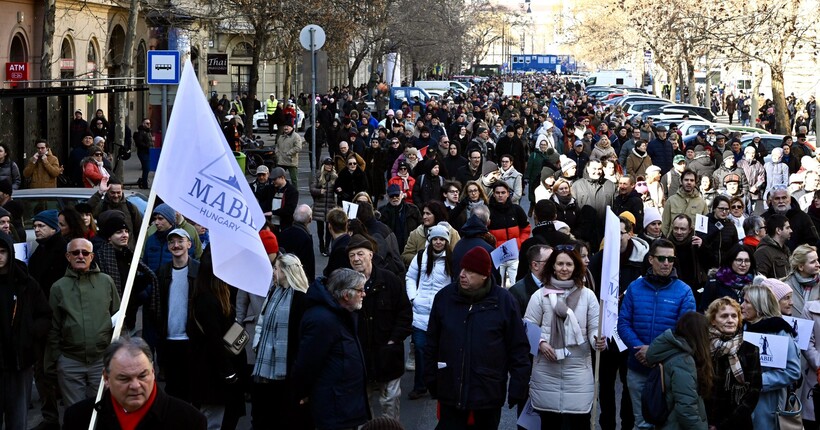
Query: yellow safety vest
column 239, row 108
column 270, row 106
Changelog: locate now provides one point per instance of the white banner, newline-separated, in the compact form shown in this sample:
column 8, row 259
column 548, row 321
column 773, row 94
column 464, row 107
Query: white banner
column 508, row 251
column 611, row 273
column 774, row 349
column 198, row 176
column 803, row 328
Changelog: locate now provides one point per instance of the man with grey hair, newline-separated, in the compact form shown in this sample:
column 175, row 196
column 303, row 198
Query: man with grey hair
column 298, row 241
column 82, row 302
column 128, row 372
column 329, row 373
column 754, row 230
column 803, row 230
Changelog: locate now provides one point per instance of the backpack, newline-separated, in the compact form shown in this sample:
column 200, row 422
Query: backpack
column 653, row 399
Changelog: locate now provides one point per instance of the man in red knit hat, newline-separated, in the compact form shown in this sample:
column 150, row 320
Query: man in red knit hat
column 475, row 334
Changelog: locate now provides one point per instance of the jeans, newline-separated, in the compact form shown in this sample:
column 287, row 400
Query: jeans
column 613, row 365
column 144, row 162
column 214, row 415
column 77, row 380
column 635, row 381
column 508, row 271
column 420, row 342
column 15, row 392
column 387, row 396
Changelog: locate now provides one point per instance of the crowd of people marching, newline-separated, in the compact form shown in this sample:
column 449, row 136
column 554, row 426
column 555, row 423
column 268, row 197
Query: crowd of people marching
column 717, row 244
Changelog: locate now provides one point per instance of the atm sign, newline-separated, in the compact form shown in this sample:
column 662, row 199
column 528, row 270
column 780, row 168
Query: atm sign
column 16, row 71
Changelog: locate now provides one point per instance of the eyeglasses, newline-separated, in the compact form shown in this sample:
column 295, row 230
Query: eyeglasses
column 565, row 248
column 77, row 252
column 722, row 208
column 664, row 258
column 743, row 261
column 358, row 290
column 453, row 191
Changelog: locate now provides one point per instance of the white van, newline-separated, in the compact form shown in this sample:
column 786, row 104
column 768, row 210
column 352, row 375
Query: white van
column 611, row 77
column 442, row 85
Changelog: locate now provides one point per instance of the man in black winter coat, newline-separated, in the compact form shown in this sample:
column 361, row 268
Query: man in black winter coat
column 130, row 381
column 629, row 200
column 475, row 336
column 298, row 241
column 386, row 320
column 803, row 230
column 401, row 217
column 25, row 318
column 279, row 200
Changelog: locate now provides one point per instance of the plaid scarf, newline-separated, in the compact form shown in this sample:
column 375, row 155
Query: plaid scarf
column 271, row 342
column 721, row 346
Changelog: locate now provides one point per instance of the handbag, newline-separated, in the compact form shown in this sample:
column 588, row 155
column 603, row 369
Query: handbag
column 234, row 339
column 789, row 418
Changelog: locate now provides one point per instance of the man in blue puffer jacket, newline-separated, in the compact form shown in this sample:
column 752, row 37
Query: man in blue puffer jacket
column 651, row 305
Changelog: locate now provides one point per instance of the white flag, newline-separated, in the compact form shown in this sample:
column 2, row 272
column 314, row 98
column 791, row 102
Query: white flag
column 610, row 273
column 198, row 176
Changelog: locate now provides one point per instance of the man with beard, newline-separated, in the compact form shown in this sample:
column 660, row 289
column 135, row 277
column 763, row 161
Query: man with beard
column 803, row 230
column 629, row 200
column 687, row 200
column 692, row 265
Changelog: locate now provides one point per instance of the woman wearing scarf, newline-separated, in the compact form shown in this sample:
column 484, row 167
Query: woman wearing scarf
column 429, row 272
column 761, row 313
column 276, row 342
column 736, row 364
column 736, row 271
column 803, row 278
column 602, row 150
column 638, row 160
column 562, row 385
column 567, row 208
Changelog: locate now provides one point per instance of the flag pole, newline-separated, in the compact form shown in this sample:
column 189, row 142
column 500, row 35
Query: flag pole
column 594, row 413
column 129, row 285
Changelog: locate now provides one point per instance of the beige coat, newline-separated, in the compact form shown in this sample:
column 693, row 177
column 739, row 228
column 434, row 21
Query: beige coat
column 564, row 386
column 418, row 240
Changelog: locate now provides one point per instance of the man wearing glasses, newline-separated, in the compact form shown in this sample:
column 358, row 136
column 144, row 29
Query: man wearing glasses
column 386, row 318
column 43, row 168
column 651, row 305
column 803, row 230
column 83, row 302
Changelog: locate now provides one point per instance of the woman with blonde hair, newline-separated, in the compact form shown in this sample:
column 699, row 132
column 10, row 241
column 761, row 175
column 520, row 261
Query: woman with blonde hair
column 761, row 313
column 276, row 343
column 737, row 376
column 565, row 203
column 804, row 278
column 562, row 386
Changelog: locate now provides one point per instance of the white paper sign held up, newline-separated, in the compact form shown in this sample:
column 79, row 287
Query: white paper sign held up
column 774, row 349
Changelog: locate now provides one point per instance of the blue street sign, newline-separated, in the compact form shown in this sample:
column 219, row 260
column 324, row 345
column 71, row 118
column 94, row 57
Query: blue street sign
column 163, row 68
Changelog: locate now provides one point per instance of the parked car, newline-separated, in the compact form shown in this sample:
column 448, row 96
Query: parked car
column 260, row 120
column 640, row 106
column 771, row 141
column 35, row 200
column 694, row 127
column 700, row 111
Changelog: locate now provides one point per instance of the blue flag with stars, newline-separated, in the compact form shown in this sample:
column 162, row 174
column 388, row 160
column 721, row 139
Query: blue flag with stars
column 555, row 115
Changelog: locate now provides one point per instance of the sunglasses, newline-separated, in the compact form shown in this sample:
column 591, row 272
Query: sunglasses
column 664, row 259
column 80, row 251
column 737, row 206
column 565, row 248
column 98, row 154
column 351, row 164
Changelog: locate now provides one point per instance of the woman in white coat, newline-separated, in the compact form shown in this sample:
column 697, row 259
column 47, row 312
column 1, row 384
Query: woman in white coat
column 429, row 271
column 561, row 386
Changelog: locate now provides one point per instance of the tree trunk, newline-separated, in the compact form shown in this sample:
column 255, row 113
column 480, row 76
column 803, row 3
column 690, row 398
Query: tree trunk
column 690, row 78
column 357, row 61
column 121, row 98
column 288, row 84
column 758, row 80
column 253, row 81
column 48, row 39
column 779, row 97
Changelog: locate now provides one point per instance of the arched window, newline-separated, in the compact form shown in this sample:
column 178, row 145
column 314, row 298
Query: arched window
column 66, row 60
column 242, row 49
column 93, row 68
column 18, row 52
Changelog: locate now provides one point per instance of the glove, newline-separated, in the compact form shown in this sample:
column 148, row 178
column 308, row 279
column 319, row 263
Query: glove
column 515, row 402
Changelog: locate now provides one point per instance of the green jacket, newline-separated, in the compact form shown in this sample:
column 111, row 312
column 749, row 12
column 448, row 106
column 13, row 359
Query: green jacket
column 682, row 203
column 82, row 306
column 687, row 410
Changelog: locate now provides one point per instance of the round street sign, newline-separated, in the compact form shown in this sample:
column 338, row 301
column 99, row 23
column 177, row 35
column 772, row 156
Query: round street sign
column 318, row 37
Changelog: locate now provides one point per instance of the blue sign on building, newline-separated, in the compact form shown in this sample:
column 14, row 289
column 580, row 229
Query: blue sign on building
column 543, row 63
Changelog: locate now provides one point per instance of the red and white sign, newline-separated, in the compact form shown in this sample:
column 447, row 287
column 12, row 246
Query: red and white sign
column 16, row 72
